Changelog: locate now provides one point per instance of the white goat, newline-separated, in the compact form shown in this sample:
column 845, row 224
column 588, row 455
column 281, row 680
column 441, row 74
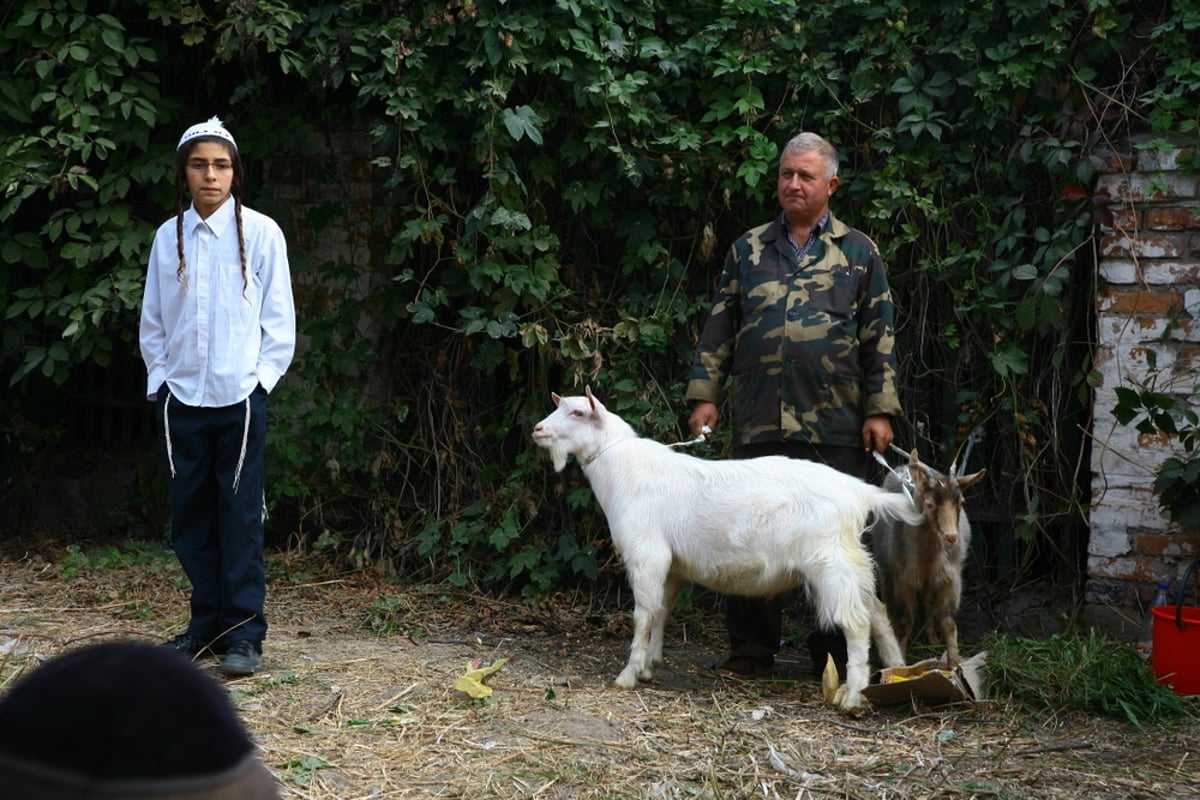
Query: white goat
column 920, row 566
column 748, row 527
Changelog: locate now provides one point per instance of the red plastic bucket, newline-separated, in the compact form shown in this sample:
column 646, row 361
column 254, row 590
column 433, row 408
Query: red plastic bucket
column 1176, row 654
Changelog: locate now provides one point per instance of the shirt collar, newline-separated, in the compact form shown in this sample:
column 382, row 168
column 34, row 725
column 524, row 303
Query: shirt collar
column 218, row 222
column 801, row 249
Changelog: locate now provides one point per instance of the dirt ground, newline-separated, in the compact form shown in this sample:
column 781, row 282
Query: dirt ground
column 357, row 700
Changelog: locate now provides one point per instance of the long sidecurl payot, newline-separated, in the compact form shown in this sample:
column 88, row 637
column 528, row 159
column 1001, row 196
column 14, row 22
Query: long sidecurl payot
column 215, row 128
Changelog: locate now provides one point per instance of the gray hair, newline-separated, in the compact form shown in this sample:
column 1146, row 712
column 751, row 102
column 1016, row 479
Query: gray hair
column 809, row 142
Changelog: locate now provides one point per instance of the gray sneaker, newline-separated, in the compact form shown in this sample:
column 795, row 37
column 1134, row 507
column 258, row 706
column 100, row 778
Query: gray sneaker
column 242, row 658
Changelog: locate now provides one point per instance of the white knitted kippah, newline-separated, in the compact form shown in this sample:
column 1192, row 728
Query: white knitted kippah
column 213, row 127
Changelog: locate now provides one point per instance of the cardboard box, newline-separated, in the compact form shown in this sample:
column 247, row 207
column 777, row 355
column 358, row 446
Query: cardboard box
column 928, row 682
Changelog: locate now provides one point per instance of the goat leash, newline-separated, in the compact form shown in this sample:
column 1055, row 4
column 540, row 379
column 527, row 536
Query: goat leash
column 705, row 432
column 703, row 437
column 607, row 447
column 906, row 481
column 975, row 438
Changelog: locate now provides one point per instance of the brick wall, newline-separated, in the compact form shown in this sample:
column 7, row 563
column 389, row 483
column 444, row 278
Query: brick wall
column 325, row 200
column 1148, row 303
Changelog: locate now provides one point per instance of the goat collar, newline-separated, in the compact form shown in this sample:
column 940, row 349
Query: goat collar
column 606, row 448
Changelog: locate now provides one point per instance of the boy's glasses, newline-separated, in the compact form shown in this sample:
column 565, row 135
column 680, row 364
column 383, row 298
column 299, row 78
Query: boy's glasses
column 196, row 165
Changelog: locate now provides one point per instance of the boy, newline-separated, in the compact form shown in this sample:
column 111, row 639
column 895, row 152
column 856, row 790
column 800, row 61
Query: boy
column 218, row 331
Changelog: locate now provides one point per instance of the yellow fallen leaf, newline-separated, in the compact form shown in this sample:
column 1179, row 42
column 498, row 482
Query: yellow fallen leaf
column 471, row 681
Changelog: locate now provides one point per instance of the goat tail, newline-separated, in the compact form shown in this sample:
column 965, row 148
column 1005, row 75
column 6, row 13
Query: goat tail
column 897, row 506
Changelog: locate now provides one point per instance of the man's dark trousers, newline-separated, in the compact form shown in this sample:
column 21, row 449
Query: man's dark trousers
column 755, row 624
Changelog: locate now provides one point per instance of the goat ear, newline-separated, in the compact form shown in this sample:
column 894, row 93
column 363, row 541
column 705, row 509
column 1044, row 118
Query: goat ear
column 554, row 396
column 967, row 480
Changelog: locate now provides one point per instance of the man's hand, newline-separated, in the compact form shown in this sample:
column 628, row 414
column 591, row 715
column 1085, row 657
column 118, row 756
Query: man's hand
column 703, row 413
column 876, row 432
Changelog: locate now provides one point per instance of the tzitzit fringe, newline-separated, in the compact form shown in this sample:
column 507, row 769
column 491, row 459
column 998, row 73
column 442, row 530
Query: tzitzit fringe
column 237, row 475
column 167, row 431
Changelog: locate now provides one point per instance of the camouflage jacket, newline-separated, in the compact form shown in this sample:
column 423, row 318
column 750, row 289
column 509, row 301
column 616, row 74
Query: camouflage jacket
column 809, row 346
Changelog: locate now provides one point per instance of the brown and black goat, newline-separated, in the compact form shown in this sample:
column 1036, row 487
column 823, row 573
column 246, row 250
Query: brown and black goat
column 920, row 566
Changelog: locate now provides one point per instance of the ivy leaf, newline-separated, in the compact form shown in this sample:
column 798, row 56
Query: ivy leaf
column 511, row 220
column 1026, row 313
column 1008, row 360
column 1025, row 272
column 421, row 313
column 523, row 121
column 525, row 561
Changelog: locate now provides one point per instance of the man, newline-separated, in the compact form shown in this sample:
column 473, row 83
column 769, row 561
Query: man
column 803, row 322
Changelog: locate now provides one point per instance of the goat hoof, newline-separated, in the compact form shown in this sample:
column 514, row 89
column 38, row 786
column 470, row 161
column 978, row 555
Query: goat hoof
column 849, row 704
column 626, row 680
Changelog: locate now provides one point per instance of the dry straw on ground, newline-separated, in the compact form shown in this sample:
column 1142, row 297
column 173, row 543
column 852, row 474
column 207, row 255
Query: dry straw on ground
column 343, row 711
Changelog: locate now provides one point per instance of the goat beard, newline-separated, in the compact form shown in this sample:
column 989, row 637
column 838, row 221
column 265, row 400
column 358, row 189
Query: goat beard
column 558, row 457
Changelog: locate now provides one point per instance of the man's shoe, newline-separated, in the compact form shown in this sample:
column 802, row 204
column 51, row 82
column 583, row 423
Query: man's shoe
column 186, row 645
column 745, row 668
column 242, row 658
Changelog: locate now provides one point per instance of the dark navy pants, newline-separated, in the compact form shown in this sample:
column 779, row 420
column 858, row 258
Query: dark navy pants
column 755, row 624
column 215, row 462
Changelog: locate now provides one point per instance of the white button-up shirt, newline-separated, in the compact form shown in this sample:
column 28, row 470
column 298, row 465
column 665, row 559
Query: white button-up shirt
column 211, row 339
